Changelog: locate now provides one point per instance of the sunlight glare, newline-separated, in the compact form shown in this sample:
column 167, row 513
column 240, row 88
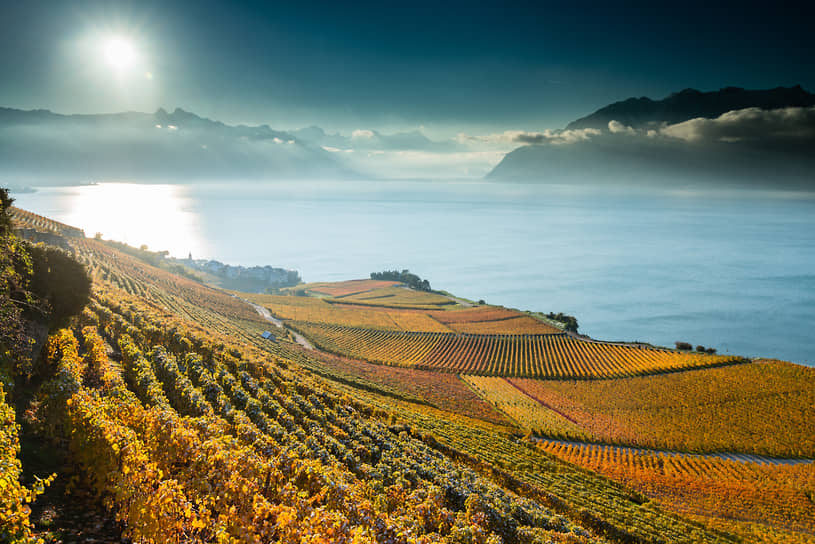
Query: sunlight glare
column 120, row 53
column 160, row 216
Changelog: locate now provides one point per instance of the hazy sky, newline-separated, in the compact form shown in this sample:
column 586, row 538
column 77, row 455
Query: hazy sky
column 444, row 66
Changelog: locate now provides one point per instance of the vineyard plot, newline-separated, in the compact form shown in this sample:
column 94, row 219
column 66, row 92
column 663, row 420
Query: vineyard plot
column 520, row 355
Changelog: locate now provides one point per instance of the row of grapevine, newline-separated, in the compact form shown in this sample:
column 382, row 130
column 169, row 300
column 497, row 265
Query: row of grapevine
column 15, row 525
column 26, row 219
column 540, row 356
column 776, row 493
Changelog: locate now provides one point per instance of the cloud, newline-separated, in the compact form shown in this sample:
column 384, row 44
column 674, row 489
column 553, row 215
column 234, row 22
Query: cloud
column 750, row 124
column 362, row 134
column 616, row 127
column 513, row 138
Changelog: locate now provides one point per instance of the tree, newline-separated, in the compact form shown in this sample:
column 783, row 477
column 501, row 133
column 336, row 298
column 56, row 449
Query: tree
column 5, row 218
column 60, row 281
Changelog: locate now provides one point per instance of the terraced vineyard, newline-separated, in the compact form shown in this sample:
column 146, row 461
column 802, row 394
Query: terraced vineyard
column 765, row 408
column 346, row 288
column 317, row 310
column 536, row 356
column 25, row 219
column 192, row 427
column 397, row 297
column 527, row 412
column 194, row 440
column 746, row 491
column 513, row 325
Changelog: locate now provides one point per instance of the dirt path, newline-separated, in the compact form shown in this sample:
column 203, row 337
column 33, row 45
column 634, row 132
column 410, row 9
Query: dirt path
column 267, row 315
column 741, row 457
column 461, row 301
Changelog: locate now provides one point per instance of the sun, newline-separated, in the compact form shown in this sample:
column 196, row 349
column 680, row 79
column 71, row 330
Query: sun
column 119, row 53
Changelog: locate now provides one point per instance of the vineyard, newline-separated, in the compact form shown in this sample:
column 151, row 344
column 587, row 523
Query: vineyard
column 473, row 315
column 345, row 288
column 693, row 484
column 397, row 297
column 536, row 356
column 522, row 409
column 315, row 310
column 194, row 441
column 513, row 325
column 25, row 219
column 191, row 427
column 764, row 408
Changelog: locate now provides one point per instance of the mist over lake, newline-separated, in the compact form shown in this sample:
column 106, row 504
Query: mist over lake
column 730, row 271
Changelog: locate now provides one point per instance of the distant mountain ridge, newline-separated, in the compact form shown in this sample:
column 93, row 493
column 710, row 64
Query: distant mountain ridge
column 690, row 104
column 178, row 118
column 44, row 146
column 732, row 137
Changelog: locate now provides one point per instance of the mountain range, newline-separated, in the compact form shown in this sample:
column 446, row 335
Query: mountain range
column 690, row 104
column 161, row 146
column 733, row 136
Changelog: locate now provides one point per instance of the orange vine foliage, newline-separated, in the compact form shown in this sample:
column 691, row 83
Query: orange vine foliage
column 514, row 325
column 773, row 494
column 543, row 356
column 351, row 287
column 766, row 408
column 188, row 440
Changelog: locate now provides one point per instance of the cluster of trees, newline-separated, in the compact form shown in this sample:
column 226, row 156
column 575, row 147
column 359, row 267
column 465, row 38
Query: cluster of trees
column 569, row 321
column 405, row 276
column 686, row 346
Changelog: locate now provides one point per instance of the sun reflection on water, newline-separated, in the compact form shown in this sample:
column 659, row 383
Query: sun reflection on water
column 161, row 216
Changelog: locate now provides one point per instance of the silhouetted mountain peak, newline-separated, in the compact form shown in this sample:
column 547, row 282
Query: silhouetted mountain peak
column 692, row 103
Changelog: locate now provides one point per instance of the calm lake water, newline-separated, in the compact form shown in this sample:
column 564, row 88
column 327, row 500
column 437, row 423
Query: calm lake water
column 736, row 272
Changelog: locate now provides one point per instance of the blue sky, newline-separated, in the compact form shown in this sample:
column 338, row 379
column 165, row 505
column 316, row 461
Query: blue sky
column 443, row 66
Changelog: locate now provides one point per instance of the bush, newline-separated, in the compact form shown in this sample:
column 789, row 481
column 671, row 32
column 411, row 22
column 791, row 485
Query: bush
column 685, row 346
column 60, row 281
column 700, row 348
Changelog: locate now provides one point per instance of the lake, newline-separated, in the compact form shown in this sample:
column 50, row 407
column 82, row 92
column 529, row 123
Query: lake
column 734, row 271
